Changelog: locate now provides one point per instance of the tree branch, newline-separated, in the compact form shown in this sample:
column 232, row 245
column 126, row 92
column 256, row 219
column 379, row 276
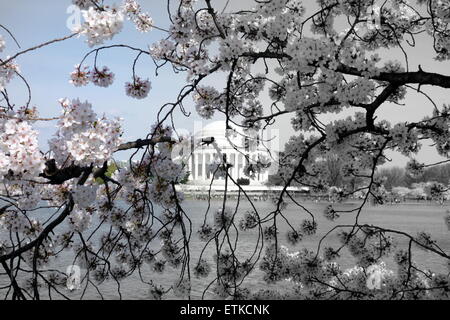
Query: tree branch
column 399, row 78
column 2, row 63
column 139, row 143
column 43, row 235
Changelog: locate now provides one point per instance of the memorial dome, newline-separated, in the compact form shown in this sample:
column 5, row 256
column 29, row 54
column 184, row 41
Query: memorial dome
column 236, row 145
column 217, row 129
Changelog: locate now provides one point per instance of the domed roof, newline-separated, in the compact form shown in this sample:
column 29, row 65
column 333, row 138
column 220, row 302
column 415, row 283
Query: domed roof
column 217, row 129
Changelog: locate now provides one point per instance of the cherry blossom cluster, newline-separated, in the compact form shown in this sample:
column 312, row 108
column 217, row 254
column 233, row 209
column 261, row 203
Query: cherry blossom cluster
column 165, row 171
column 2, row 43
column 414, row 168
column 7, row 72
column 102, row 77
column 436, row 128
column 164, row 194
column 138, row 89
column 182, row 288
column 312, row 278
column 80, row 219
column 207, row 99
column 24, row 113
column 81, row 76
column 142, row 20
column 30, row 197
column 19, row 149
column 308, row 76
column 101, row 25
column 229, row 271
column 406, row 139
column 14, row 221
column 83, row 137
column 202, row 269
column 249, row 221
column 163, row 49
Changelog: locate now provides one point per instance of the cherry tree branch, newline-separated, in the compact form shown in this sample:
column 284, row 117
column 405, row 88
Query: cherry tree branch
column 399, row 78
column 2, row 63
column 49, row 228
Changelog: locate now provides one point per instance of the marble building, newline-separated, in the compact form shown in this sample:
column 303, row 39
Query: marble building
column 236, row 146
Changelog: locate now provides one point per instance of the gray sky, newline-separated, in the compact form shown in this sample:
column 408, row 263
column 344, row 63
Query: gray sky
column 48, row 69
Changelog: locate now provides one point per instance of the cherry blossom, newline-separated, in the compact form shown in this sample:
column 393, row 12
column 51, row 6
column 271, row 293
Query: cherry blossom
column 100, row 26
column 102, row 77
column 142, row 20
column 7, row 73
column 138, row 89
column 2, row 43
column 80, row 220
column 80, row 76
column 84, row 137
column 19, row 149
column 280, row 58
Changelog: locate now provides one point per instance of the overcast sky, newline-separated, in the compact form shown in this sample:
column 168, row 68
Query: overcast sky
column 48, row 69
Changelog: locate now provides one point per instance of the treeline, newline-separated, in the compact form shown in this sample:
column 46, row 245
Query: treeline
column 332, row 174
column 397, row 177
column 393, row 176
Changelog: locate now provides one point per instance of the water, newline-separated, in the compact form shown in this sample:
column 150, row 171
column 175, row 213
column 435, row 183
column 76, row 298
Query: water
column 409, row 218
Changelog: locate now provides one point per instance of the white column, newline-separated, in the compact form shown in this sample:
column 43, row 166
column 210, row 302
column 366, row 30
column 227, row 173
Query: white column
column 211, row 159
column 196, row 166
column 203, row 166
column 235, row 169
column 258, row 175
column 241, row 169
column 190, row 168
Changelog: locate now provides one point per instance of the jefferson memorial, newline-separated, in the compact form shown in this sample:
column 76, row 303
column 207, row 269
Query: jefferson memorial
column 212, row 142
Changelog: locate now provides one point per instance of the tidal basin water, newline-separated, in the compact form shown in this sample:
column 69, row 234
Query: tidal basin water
column 409, row 218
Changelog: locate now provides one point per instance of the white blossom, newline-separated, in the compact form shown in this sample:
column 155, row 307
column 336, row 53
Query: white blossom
column 7, row 73
column 83, row 136
column 102, row 77
column 19, row 149
column 138, row 89
column 2, row 43
column 100, row 26
column 80, row 76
